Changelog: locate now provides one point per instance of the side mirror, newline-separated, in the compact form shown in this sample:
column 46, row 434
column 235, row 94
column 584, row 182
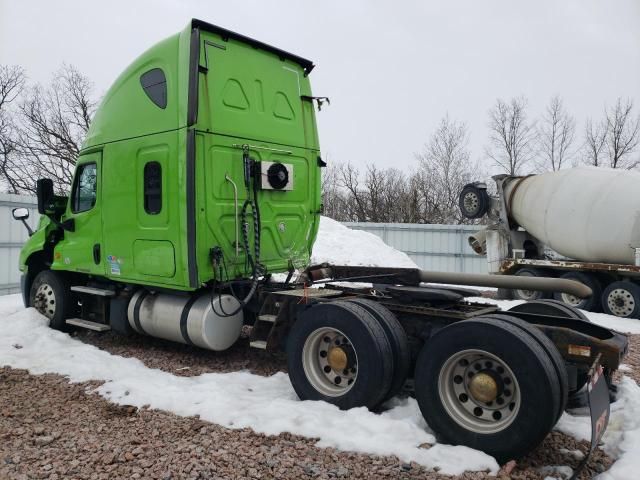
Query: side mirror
column 20, row 213
column 44, row 192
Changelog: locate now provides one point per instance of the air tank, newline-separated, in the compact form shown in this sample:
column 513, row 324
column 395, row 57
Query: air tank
column 208, row 322
column 588, row 214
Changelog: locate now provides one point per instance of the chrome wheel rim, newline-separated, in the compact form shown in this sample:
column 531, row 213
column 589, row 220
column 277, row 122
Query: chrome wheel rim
column 621, row 302
column 45, row 300
column 479, row 391
column 330, row 361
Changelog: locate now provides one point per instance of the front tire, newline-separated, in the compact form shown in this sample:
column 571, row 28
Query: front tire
column 51, row 296
column 489, row 385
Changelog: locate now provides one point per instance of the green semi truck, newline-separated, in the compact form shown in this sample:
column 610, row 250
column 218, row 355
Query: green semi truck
column 192, row 215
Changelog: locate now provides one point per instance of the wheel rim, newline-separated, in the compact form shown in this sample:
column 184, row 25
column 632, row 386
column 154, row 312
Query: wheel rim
column 479, row 391
column 471, row 202
column 330, row 362
column 621, row 302
column 570, row 299
column 45, row 300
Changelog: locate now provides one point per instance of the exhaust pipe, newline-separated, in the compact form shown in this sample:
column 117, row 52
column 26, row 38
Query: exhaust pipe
column 540, row 284
column 478, row 241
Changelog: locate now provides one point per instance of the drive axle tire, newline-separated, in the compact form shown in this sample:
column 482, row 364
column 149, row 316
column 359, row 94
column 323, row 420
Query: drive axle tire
column 549, row 347
column 622, row 299
column 339, row 353
column 397, row 339
column 489, row 385
column 592, row 303
column 51, row 296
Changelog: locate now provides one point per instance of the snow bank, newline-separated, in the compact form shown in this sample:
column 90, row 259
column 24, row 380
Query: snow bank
column 340, row 245
column 236, row 400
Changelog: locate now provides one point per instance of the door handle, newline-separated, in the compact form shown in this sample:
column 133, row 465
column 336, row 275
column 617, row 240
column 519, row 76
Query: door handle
column 96, row 254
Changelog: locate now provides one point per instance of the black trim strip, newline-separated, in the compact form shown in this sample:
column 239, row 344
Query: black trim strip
column 184, row 316
column 307, row 65
column 191, row 208
column 194, row 60
column 136, row 312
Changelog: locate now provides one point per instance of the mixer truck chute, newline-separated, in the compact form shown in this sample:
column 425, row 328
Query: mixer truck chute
column 580, row 224
column 200, row 180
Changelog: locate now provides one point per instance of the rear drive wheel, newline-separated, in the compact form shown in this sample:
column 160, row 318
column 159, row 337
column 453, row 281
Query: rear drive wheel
column 51, row 296
column 529, row 294
column 622, row 299
column 549, row 347
column 397, row 339
column 592, row 303
column 487, row 384
column 339, row 353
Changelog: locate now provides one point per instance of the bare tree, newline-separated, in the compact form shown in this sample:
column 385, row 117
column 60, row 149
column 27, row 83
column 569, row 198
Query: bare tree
column 445, row 167
column 623, row 134
column 53, row 122
column 511, row 137
column 595, row 142
column 12, row 80
column 555, row 134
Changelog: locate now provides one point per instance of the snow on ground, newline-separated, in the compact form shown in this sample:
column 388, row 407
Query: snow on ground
column 239, row 399
column 340, row 245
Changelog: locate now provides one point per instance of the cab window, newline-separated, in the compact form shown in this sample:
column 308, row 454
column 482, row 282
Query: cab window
column 85, row 188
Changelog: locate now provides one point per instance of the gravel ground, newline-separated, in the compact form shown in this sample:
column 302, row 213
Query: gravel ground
column 52, row 429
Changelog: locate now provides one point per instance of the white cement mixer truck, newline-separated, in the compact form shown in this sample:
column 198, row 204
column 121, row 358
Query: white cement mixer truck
column 580, row 224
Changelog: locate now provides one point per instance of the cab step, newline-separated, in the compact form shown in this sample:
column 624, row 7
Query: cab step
column 101, row 292
column 261, row 344
column 88, row 324
column 267, row 318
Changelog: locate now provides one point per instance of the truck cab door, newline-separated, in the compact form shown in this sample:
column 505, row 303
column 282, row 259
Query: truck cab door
column 81, row 249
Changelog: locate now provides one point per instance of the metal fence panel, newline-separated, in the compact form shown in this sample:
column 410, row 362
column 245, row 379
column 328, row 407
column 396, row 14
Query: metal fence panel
column 12, row 235
column 433, row 247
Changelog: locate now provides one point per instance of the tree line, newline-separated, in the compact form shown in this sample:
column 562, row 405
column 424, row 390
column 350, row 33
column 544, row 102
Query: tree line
column 516, row 145
column 42, row 128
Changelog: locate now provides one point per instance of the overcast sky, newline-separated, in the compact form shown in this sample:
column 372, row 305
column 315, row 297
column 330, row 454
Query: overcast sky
column 392, row 69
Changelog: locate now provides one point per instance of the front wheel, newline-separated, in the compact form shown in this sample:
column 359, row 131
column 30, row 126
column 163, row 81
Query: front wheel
column 51, row 296
column 489, row 385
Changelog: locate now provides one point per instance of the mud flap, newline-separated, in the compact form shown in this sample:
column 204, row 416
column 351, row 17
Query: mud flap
column 599, row 409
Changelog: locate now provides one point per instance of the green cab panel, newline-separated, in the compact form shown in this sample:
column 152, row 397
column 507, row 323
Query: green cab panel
column 160, row 181
column 154, row 258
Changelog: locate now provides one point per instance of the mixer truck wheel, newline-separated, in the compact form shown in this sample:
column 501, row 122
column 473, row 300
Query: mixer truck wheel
column 529, row 294
column 397, row 339
column 488, row 384
column 473, row 201
column 51, row 296
column 339, row 353
column 591, row 304
column 622, row 299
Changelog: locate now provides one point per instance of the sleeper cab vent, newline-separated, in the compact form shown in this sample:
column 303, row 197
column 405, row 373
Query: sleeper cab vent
column 154, row 84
